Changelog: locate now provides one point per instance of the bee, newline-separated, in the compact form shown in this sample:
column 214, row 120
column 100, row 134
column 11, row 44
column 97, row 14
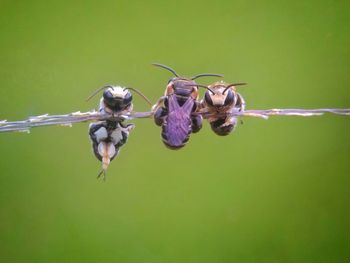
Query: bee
column 173, row 111
column 220, row 100
column 107, row 137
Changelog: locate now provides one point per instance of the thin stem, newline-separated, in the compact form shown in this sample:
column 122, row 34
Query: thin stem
column 66, row 120
column 265, row 114
column 77, row 117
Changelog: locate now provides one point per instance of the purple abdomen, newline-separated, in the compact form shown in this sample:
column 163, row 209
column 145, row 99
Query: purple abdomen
column 177, row 126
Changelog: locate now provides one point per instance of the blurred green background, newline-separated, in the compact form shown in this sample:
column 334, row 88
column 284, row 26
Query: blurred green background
column 273, row 191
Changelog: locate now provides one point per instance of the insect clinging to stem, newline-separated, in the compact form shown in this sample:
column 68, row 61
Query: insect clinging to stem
column 109, row 136
column 179, row 113
column 173, row 111
column 220, row 101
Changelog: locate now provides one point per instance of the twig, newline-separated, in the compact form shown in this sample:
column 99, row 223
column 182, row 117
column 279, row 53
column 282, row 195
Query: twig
column 76, row 117
column 65, row 120
column 292, row 112
column 265, row 114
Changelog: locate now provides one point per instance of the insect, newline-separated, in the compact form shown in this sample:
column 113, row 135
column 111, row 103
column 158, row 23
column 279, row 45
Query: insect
column 173, row 111
column 220, row 101
column 178, row 112
column 109, row 136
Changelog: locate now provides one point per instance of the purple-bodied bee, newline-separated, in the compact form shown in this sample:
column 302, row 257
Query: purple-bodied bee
column 174, row 111
column 219, row 101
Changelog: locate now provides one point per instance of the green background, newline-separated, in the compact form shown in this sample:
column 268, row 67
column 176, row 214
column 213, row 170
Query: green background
column 273, row 191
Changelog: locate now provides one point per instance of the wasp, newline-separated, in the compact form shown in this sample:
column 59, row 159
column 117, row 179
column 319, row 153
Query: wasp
column 109, row 136
column 173, row 111
column 220, row 101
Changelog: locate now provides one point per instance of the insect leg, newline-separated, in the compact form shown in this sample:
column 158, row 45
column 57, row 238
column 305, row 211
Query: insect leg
column 224, row 126
column 159, row 115
column 158, row 103
column 196, row 123
column 121, row 139
column 159, row 111
column 240, row 102
column 103, row 173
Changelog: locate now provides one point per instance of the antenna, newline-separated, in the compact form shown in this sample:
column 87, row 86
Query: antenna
column 207, row 75
column 141, row 94
column 233, row 85
column 166, row 67
column 202, row 86
column 97, row 91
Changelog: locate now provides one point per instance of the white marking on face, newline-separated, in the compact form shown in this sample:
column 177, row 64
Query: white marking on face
column 118, row 91
column 218, row 98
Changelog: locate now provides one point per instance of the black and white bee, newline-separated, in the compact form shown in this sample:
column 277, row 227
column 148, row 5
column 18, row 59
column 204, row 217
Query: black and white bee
column 109, row 136
column 179, row 113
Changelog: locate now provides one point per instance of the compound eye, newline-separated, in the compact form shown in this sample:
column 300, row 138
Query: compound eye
column 107, row 95
column 208, row 99
column 127, row 99
column 230, row 97
column 117, row 103
column 171, row 80
column 108, row 98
